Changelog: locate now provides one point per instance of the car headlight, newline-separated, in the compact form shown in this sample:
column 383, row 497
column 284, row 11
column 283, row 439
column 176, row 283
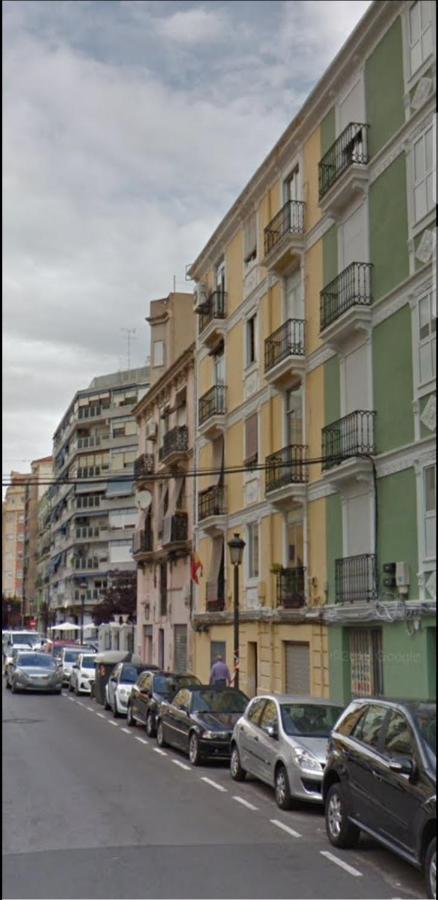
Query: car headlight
column 306, row 761
column 124, row 693
column 21, row 676
column 215, row 735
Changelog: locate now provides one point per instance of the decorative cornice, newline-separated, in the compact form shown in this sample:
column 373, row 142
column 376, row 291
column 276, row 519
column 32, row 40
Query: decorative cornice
column 318, row 490
column 400, row 142
column 318, row 357
column 406, row 457
column 400, row 296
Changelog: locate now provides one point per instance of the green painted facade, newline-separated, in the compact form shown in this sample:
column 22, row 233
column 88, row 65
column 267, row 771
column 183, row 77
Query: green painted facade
column 328, row 131
column 388, row 223
column 397, row 540
column 393, row 381
column 384, row 89
column 330, row 254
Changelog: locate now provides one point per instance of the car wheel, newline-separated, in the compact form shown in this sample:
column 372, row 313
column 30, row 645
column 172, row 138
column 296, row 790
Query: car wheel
column 161, row 741
column 150, row 726
column 130, row 718
column 282, row 789
column 430, row 869
column 195, row 756
column 340, row 831
column 237, row 773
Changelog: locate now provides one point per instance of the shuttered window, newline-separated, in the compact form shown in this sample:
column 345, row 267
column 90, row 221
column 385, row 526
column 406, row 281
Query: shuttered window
column 251, row 439
column 250, row 249
column 297, row 660
column 180, row 648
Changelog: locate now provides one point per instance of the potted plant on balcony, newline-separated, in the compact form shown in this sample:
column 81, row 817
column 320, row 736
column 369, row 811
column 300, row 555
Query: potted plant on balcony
column 276, row 568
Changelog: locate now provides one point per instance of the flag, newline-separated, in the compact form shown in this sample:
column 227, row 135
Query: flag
column 196, row 567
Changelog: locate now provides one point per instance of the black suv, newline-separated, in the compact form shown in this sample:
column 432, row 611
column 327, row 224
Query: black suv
column 149, row 692
column 380, row 778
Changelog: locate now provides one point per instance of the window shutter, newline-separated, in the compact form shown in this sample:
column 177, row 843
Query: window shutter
column 250, row 238
column 251, row 439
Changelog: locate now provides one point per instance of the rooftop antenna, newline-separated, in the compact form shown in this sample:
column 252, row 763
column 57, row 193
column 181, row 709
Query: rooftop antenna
column 129, row 337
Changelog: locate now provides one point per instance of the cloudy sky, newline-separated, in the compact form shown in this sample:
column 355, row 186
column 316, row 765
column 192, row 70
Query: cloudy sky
column 129, row 128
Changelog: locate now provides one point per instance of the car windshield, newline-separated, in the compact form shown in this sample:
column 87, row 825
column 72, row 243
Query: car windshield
column 226, row 701
column 71, row 655
column 35, row 659
column 24, row 639
column 88, row 662
column 309, row 720
column 169, row 684
column 129, row 674
column 425, row 718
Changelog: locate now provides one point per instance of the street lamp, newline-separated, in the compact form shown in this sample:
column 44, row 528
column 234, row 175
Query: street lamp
column 83, row 587
column 236, row 547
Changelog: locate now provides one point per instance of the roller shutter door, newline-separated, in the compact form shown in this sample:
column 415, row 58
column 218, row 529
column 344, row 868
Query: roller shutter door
column 297, row 668
column 180, row 648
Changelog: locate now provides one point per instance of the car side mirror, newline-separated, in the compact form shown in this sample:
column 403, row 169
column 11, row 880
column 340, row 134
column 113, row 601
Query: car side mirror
column 272, row 731
column 403, row 765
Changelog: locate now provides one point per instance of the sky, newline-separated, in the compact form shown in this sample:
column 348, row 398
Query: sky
column 129, row 129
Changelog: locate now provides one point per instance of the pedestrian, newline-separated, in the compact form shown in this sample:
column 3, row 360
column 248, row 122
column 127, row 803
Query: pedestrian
column 220, row 673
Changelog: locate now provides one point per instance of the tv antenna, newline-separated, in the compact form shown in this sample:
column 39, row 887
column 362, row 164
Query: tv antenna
column 129, row 337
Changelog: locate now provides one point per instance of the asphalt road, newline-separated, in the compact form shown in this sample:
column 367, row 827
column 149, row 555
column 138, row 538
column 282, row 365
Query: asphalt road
column 92, row 809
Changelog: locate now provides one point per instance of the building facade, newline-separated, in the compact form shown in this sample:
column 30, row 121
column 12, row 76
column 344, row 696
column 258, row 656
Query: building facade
column 44, row 616
column 13, row 537
column 315, row 385
column 163, row 539
column 93, row 511
column 36, row 486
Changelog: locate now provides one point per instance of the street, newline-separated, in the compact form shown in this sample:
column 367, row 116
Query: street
column 93, row 809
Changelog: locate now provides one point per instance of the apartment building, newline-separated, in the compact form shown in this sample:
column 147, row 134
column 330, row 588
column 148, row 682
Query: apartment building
column 315, row 370
column 44, row 615
column 165, row 489
column 36, row 486
column 93, row 512
column 13, row 536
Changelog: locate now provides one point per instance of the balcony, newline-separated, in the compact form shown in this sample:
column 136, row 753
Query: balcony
column 175, row 530
column 343, row 169
column 286, row 475
column 355, row 579
column 212, row 509
column 143, row 544
column 212, row 411
column 291, row 592
column 175, row 445
column 144, row 467
column 212, row 315
column 215, row 596
column 284, row 238
column 345, row 305
column 284, row 354
column 345, row 443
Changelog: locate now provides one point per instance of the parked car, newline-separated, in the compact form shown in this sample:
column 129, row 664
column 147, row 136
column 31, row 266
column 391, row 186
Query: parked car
column 200, row 721
column 68, row 656
column 20, row 640
column 35, row 672
column 149, row 692
column 83, row 673
column 282, row 740
column 15, row 652
column 380, row 778
column 119, row 686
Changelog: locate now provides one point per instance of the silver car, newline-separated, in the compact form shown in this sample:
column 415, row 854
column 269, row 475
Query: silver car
column 282, row 740
column 35, row 672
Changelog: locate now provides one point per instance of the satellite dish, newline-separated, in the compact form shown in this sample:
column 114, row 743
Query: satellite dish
column 143, row 499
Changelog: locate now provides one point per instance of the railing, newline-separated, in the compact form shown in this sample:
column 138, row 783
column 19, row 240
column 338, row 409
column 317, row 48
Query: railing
column 350, row 147
column 350, row 288
column 288, row 340
column 355, row 578
column 215, row 595
column 353, row 435
column 175, row 529
column 213, row 403
column 175, row 441
column 291, row 592
column 215, row 307
column 211, row 502
column 290, row 220
column 286, row 467
column 143, row 541
column 144, row 465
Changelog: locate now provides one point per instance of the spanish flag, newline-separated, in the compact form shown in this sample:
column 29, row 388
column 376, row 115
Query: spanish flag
column 196, row 567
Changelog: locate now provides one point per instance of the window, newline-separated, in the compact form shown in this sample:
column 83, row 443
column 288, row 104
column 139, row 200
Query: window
column 220, row 276
column 369, row 727
column 291, row 186
column 366, row 661
column 294, row 416
column 399, row 740
column 420, row 33
column 251, row 440
column 251, row 340
column 422, row 153
column 255, row 709
column 219, row 367
column 158, row 353
column 427, row 339
column 183, row 699
column 250, row 249
column 269, row 715
column 120, row 552
column 349, row 723
column 253, row 550
column 429, row 487
column 217, row 648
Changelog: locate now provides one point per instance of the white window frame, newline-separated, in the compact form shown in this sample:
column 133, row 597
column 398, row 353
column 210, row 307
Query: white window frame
column 251, row 318
column 428, row 515
column 430, row 340
column 409, row 43
column 427, row 177
column 252, row 530
column 156, row 355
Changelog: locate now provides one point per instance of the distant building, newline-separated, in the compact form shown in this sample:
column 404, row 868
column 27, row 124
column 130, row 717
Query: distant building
column 36, row 486
column 13, row 537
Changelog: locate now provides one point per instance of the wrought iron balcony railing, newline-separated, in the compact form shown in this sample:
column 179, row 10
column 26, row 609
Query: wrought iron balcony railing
column 213, row 403
column 353, row 435
column 175, row 529
column 144, row 465
column 350, row 288
column 215, row 307
column 215, row 595
column 287, row 466
column 355, row 579
column 211, row 502
column 175, row 441
column 288, row 340
column 290, row 220
column 291, row 591
column 143, row 541
column 350, row 147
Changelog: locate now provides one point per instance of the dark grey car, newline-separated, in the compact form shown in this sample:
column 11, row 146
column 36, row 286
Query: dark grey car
column 35, row 672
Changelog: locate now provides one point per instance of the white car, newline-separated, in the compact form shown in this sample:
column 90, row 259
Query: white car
column 17, row 640
column 83, row 674
column 69, row 656
column 119, row 686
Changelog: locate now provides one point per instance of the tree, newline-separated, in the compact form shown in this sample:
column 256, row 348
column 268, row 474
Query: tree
column 118, row 599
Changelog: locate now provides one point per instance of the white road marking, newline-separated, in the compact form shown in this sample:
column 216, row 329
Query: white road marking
column 80, row 703
column 340, row 862
column 72, row 699
column 116, row 724
column 245, row 803
column 285, row 828
column 126, row 730
column 181, row 764
column 101, row 715
column 161, row 752
column 90, row 708
column 142, row 740
column 214, row 784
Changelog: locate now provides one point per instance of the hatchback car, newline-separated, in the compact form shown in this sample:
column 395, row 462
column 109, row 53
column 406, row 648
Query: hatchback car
column 83, row 674
column 380, row 778
column 282, row 740
column 68, row 656
column 35, row 672
column 200, row 721
column 150, row 691
column 119, row 686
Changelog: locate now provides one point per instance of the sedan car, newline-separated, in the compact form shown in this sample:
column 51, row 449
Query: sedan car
column 200, row 721
column 150, row 691
column 35, row 672
column 380, row 778
column 282, row 740
column 119, row 686
column 83, row 674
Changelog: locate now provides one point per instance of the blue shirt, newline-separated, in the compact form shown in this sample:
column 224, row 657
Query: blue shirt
column 220, row 672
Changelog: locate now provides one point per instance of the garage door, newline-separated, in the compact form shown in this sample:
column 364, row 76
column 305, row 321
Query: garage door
column 297, row 657
column 180, row 648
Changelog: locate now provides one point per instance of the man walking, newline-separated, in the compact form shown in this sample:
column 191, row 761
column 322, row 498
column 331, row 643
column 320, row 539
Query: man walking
column 220, row 674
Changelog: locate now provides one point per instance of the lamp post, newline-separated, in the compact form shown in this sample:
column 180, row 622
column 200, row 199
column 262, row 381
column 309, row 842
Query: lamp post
column 236, row 547
column 83, row 587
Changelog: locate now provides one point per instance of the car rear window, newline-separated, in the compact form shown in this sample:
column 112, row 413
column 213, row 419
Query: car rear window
column 88, row 662
column 35, row 659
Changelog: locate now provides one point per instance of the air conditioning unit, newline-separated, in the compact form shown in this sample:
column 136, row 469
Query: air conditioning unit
column 151, row 431
column 201, row 296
